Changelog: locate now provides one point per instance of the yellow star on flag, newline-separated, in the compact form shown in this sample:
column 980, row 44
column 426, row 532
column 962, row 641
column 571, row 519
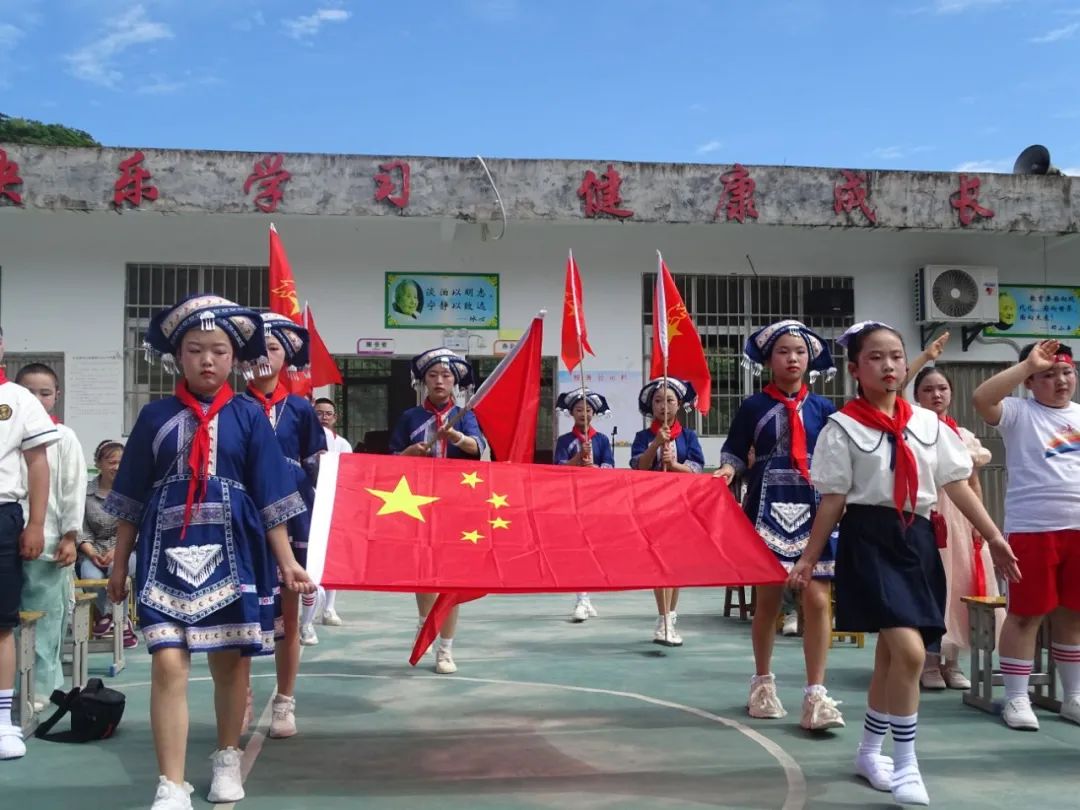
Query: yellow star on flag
column 499, row 523
column 402, row 499
column 498, row 501
column 473, row 537
column 471, row 479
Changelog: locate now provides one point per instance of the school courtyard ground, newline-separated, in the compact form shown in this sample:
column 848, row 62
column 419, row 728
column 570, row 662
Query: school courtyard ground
column 546, row 714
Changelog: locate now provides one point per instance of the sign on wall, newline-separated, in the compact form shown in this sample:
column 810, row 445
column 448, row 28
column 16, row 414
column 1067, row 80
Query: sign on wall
column 1037, row 312
column 430, row 300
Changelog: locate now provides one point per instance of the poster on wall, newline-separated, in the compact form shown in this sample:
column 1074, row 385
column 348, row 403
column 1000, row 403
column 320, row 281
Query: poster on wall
column 1036, row 312
column 434, row 300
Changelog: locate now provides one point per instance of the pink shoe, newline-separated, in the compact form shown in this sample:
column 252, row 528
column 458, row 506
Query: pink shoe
column 130, row 639
column 103, row 626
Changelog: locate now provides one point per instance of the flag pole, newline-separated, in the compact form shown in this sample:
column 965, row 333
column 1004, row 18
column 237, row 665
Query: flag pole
column 576, row 303
column 661, row 313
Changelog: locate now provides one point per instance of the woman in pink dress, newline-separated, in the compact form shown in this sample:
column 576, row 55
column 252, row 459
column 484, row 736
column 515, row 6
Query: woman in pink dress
column 968, row 568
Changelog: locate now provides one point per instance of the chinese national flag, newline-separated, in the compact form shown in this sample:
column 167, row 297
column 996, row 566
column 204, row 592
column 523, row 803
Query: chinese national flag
column 676, row 339
column 285, row 301
column 575, row 337
column 507, row 404
column 466, row 528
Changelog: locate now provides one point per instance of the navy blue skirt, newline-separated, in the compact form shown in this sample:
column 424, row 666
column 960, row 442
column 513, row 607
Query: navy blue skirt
column 888, row 575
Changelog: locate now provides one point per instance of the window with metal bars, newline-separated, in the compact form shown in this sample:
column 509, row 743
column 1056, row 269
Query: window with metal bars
column 152, row 287
column 727, row 309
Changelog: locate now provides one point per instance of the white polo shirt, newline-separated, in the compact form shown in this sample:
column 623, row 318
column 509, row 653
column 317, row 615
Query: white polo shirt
column 338, row 444
column 24, row 425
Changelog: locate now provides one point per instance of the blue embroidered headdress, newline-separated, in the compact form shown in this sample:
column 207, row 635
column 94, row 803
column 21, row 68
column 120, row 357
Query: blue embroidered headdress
column 294, row 339
column 760, row 345
column 683, row 390
column 243, row 326
column 568, row 399
column 458, row 365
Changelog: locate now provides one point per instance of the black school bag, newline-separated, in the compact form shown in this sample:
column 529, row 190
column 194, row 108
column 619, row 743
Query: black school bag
column 95, row 713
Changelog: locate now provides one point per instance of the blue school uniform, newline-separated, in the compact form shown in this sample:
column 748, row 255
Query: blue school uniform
column 301, row 439
column 779, row 501
column 687, row 449
column 418, row 425
column 217, row 588
column 568, row 445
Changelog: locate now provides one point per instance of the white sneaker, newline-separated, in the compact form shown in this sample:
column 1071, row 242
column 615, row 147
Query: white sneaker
column 908, row 787
column 227, row 783
column 583, row 609
column 171, row 796
column 876, row 769
column 444, row 662
column 819, row 712
column 665, row 632
column 330, row 618
column 1070, row 710
column 1017, row 714
column 283, row 718
column 932, row 678
column 11, row 743
column 764, row 703
column 308, row 636
column 791, row 624
column 955, row 677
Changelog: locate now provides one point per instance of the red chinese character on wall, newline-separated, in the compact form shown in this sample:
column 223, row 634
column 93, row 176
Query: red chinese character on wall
column 851, row 194
column 739, row 190
column 601, row 194
column 9, row 176
column 966, row 201
column 394, row 176
column 131, row 185
column 270, row 176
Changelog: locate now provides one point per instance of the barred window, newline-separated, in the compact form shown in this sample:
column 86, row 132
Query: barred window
column 727, row 309
column 152, row 287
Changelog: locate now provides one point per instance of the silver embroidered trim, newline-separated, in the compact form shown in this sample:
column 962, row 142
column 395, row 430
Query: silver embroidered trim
column 193, row 564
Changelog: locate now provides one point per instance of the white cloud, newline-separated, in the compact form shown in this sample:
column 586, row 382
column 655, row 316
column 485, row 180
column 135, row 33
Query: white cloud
column 1072, row 171
column 161, row 85
column 9, row 35
column 1058, row 34
column 495, row 10
column 898, row 152
column 308, row 26
column 1003, row 166
column 960, row 6
column 697, row 107
column 94, row 62
column 256, row 20
column 709, row 147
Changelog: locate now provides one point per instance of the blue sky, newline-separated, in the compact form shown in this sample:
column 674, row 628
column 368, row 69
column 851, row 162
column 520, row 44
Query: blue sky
column 904, row 84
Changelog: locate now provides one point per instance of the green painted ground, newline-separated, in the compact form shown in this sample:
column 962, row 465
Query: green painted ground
column 545, row 714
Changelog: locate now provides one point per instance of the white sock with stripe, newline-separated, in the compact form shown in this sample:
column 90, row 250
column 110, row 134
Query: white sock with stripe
column 1016, row 673
column 1067, row 661
column 7, row 697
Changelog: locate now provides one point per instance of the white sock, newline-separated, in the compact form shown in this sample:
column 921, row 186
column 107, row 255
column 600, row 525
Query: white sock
column 583, row 596
column 903, row 735
column 875, row 724
column 331, row 598
column 757, row 679
column 1016, row 673
column 445, row 644
column 6, row 698
column 815, row 688
column 1067, row 661
column 308, row 603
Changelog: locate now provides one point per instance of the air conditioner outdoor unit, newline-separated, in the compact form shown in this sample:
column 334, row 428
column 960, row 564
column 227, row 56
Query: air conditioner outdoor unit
column 950, row 293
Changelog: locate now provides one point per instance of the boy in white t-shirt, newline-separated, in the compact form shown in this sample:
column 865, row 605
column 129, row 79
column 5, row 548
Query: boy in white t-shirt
column 25, row 431
column 1042, row 519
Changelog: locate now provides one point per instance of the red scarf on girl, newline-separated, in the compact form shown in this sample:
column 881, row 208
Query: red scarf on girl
column 279, row 394
column 948, row 420
column 905, row 470
column 440, row 419
column 799, row 455
column 3, row 377
column 674, row 429
column 580, row 436
column 199, row 459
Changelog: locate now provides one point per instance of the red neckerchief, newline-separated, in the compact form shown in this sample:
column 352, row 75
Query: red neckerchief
column 199, row 459
column 279, row 394
column 674, row 429
column 581, row 437
column 799, row 455
column 55, row 419
column 440, row 418
column 3, row 377
column 948, row 420
column 905, row 470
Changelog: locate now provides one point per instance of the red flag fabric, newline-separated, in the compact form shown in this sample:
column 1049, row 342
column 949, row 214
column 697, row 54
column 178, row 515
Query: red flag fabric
column 507, row 404
column 466, row 528
column 283, row 297
column 324, row 370
column 575, row 337
column 675, row 328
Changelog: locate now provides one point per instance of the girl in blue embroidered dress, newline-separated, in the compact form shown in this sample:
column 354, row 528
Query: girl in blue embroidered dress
column 203, row 486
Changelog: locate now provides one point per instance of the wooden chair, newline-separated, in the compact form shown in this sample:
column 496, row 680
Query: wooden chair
column 77, row 643
column 115, row 644
column 744, row 606
column 982, row 621
column 24, row 669
column 856, row 638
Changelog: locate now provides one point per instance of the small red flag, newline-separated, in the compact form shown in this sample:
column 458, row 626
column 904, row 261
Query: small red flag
column 507, row 404
column 283, row 297
column 575, row 337
column 324, row 369
column 465, row 528
column 676, row 339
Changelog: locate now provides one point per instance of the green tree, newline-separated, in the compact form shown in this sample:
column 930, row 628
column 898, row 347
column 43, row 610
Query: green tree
column 27, row 130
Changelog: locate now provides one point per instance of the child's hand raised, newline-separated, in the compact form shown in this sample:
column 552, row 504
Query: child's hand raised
column 296, row 579
column 934, row 350
column 1042, row 356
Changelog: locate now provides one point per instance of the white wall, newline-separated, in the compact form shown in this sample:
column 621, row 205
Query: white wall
column 63, row 274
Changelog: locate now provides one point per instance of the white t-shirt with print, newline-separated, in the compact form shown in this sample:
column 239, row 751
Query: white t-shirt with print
column 1042, row 458
column 24, row 425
